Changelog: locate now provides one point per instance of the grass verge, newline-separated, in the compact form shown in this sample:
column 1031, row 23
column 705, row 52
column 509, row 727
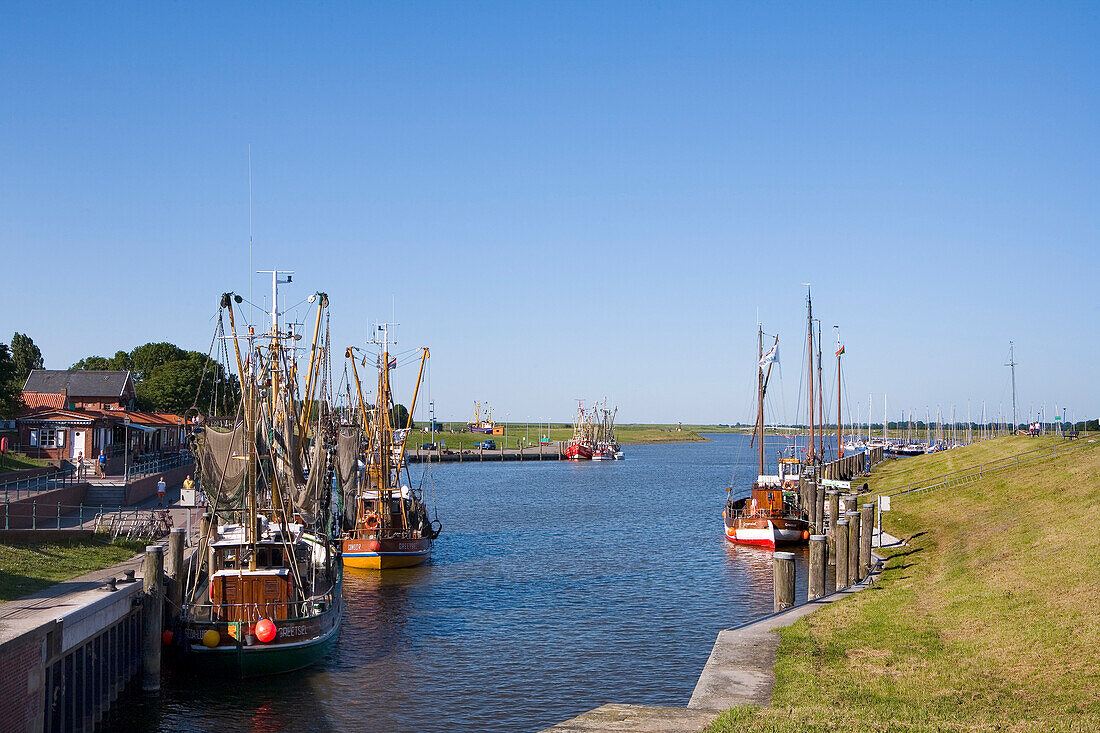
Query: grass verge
column 26, row 567
column 529, row 435
column 18, row 462
column 984, row 621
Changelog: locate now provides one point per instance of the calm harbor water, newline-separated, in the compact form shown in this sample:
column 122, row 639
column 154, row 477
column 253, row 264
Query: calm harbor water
column 556, row 587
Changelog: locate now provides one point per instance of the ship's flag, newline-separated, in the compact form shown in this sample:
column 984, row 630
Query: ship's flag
column 393, row 364
column 840, row 351
column 771, row 355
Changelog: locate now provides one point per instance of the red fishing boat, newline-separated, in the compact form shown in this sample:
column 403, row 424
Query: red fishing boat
column 583, row 443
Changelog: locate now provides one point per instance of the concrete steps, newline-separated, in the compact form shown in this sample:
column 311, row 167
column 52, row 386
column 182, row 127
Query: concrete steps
column 107, row 495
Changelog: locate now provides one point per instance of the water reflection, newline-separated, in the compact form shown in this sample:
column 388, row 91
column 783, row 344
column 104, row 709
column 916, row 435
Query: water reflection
column 555, row 588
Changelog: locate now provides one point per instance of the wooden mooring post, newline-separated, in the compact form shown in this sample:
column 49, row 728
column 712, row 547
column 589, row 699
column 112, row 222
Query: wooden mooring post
column 173, row 568
column 853, row 547
column 819, row 564
column 840, row 539
column 152, row 618
column 783, row 576
column 819, row 501
column 834, row 514
column 866, row 530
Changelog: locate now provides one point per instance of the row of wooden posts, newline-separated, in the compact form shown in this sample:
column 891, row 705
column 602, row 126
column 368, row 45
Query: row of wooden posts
column 162, row 587
column 845, row 545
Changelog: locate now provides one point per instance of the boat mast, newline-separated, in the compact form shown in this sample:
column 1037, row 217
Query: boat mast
column 839, row 351
column 820, row 398
column 810, row 453
column 760, row 394
column 885, row 421
column 384, row 427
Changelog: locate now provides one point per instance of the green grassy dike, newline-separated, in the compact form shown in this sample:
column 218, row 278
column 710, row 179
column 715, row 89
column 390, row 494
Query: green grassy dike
column 987, row 620
column 26, row 567
column 630, row 434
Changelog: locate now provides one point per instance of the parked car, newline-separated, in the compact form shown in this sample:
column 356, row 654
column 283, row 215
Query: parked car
column 487, row 445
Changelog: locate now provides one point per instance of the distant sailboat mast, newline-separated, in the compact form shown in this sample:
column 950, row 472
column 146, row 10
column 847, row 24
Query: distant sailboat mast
column 820, row 398
column 810, row 452
column 839, row 351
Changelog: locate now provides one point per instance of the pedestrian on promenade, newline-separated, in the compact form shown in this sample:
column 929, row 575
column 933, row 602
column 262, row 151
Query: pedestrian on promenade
column 161, row 487
column 80, row 465
column 102, row 464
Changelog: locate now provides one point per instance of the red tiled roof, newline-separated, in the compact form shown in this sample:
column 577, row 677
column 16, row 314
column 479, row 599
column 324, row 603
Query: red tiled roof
column 34, row 400
column 149, row 419
column 48, row 413
column 141, row 418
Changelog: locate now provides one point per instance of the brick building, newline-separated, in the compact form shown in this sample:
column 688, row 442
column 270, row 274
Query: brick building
column 73, row 413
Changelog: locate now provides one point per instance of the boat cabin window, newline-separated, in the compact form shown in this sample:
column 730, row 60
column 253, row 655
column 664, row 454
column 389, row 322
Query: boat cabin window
column 268, row 557
column 228, row 559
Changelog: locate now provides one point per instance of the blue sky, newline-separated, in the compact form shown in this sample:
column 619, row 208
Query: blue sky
column 573, row 199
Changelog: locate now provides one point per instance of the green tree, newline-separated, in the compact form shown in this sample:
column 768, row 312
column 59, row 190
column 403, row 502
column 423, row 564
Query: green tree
column 120, row 362
column 170, row 387
column 11, row 400
column 93, row 363
column 26, row 356
column 170, row 379
column 148, row 358
column 399, row 414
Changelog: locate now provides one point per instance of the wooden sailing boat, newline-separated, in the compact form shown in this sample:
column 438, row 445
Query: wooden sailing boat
column 766, row 517
column 387, row 522
column 265, row 596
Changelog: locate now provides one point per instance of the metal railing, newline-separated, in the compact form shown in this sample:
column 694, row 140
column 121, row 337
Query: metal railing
column 974, row 473
column 159, row 464
column 24, row 488
column 220, row 614
column 118, row 521
column 134, row 523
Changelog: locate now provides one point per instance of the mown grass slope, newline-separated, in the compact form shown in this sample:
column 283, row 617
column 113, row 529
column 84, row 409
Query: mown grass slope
column 26, row 567
column 986, row 620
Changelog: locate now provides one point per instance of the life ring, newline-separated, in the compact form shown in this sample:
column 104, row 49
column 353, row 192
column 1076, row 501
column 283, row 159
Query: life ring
column 372, row 521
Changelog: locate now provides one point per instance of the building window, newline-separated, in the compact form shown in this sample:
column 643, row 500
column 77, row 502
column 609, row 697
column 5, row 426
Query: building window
column 34, row 438
column 50, row 438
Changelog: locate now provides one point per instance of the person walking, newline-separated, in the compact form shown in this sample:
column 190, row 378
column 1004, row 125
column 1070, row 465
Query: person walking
column 102, row 464
column 161, row 487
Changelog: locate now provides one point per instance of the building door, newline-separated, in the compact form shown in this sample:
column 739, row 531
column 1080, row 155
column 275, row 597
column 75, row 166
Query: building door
column 78, row 443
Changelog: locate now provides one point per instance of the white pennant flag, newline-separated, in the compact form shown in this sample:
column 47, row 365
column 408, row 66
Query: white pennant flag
column 771, row 355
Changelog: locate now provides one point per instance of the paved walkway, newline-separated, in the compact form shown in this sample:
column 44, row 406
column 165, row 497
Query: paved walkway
column 29, row 612
column 85, row 518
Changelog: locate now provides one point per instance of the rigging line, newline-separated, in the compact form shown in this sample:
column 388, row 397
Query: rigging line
column 847, row 397
column 271, row 487
column 202, row 377
column 801, row 386
column 217, row 496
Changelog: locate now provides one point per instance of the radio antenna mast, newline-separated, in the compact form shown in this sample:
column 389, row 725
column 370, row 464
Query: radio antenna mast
column 250, row 271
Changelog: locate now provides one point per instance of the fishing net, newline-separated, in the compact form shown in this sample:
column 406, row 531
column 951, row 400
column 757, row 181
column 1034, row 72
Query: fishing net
column 347, row 471
column 222, row 459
